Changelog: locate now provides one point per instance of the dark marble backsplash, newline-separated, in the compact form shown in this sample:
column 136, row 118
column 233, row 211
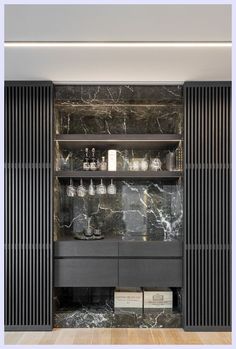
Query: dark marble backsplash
column 147, row 208
column 119, row 109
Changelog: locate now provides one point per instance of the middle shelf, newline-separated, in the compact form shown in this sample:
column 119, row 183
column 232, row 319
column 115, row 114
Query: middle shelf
column 120, row 174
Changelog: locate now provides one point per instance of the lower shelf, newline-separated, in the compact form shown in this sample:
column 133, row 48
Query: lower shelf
column 103, row 316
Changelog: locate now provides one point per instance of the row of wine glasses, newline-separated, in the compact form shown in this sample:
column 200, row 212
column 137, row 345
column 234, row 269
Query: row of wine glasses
column 81, row 190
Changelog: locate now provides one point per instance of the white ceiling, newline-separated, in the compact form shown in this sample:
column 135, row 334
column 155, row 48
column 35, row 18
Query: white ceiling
column 117, row 23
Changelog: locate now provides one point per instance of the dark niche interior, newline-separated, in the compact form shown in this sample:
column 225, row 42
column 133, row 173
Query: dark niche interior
column 141, row 123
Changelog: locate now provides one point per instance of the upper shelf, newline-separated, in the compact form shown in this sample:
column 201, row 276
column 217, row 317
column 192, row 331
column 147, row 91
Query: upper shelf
column 160, row 141
column 165, row 175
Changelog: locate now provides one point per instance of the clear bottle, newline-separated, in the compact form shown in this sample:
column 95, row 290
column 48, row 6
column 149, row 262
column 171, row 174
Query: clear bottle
column 93, row 162
column 86, row 165
column 125, row 166
column 103, row 164
column 179, row 157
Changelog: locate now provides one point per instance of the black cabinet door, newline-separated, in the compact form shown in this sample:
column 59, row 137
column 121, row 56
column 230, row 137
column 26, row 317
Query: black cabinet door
column 85, row 272
column 207, row 206
column 158, row 272
column 28, row 205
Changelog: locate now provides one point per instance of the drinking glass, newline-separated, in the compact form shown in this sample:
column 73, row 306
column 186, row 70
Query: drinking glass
column 111, row 189
column 64, row 162
column 70, row 190
column 101, row 188
column 91, row 189
column 81, row 190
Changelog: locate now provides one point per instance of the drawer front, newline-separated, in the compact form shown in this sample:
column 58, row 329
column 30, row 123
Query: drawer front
column 150, row 249
column 78, row 248
column 150, row 272
column 85, row 272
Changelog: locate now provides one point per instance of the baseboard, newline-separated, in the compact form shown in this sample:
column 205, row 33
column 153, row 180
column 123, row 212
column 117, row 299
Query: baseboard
column 28, row 328
column 207, row 328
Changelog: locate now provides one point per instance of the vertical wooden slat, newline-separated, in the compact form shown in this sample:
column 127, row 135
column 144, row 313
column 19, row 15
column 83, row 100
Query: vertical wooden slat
column 28, row 235
column 207, row 206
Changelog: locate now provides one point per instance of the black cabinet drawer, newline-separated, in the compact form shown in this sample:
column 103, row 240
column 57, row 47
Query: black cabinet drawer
column 85, row 272
column 150, row 272
column 76, row 248
column 148, row 249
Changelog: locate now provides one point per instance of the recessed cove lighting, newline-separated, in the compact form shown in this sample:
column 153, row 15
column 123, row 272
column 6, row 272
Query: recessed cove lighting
column 116, row 44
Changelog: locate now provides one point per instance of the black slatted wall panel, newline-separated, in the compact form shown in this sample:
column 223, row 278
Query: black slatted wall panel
column 28, row 205
column 207, row 253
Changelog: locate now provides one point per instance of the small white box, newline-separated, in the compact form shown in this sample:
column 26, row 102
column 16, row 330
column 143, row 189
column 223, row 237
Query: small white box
column 112, row 160
column 158, row 298
column 128, row 298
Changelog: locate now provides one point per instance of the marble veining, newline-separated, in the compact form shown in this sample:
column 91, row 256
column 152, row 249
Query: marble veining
column 103, row 316
column 119, row 109
column 143, row 208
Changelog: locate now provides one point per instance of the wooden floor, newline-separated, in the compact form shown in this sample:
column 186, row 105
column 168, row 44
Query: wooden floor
column 117, row 336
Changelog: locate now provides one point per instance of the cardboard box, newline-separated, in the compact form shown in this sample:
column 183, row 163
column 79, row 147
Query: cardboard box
column 158, row 298
column 128, row 298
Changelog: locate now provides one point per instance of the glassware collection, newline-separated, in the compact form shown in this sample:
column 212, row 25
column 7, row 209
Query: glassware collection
column 81, row 191
column 126, row 160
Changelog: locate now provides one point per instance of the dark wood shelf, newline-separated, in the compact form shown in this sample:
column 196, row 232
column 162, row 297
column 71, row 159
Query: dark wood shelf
column 121, row 141
column 119, row 174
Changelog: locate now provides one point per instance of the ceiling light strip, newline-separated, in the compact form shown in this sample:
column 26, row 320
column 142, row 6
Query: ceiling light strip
column 117, row 44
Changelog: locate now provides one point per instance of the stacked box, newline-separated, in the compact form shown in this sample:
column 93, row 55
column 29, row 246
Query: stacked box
column 157, row 298
column 128, row 299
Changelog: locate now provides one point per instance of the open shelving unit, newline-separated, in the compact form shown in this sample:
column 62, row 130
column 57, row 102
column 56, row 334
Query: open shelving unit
column 121, row 141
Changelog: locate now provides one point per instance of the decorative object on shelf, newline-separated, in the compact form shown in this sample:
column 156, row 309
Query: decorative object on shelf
column 91, row 189
column 86, row 165
column 64, row 162
column 82, row 236
column 125, row 166
column 170, row 161
column 70, row 190
column 134, row 164
column 101, row 188
column 103, row 164
column 144, row 164
column 93, row 163
column 155, row 164
column 97, row 233
column 81, row 190
column 111, row 189
column 112, row 160
column 179, row 157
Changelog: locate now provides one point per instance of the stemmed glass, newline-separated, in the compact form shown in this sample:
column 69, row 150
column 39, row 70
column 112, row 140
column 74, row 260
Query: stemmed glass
column 91, row 189
column 70, row 190
column 81, row 190
column 111, row 189
column 101, row 188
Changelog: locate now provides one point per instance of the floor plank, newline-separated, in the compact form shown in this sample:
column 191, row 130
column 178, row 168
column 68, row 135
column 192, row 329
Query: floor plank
column 83, row 336
column 101, row 336
column 117, row 336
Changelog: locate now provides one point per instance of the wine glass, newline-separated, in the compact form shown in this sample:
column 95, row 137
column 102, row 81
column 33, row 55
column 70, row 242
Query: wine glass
column 111, row 189
column 91, row 189
column 81, row 190
column 101, row 188
column 70, row 190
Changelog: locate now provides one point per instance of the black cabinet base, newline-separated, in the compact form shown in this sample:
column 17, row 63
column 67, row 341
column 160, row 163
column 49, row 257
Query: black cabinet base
column 28, row 328
column 208, row 328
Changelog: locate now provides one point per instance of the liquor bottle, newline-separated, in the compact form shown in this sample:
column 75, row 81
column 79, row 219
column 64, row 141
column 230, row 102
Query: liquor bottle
column 103, row 164
column 93, row 162
column 179, row 157
column 86, row 165
column 126, row 161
